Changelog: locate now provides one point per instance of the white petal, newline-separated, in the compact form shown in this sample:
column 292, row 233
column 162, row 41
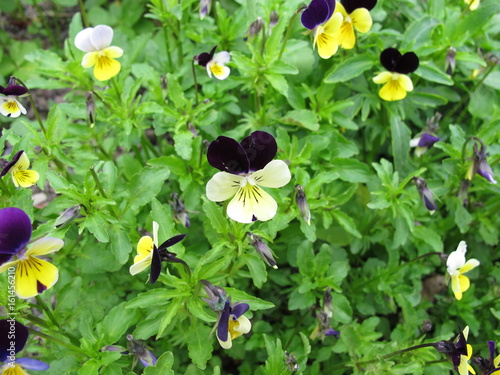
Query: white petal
column 245, row 325
column 221, row 58
column 223, row 186
column 156, row 226
column 457, row 258
column 274, row 175
column 83, row 42
column 101, row 37
column 252, row 203
column 414, row 142
column 141, row 265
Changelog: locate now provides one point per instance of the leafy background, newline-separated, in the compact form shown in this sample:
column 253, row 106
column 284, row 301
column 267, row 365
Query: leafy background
column 344, row 145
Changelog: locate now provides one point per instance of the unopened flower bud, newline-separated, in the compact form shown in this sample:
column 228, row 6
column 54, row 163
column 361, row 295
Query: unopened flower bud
column 67, row 216
column 273, row 19
column 450, row 60
column 480, row 164
column 217, row 296
column 205, row 6
column 425, row 194
column 291, row 363
column 255, row 27
column 426, row 326
column 300, row 198
column 264, row 251
column 90, row 110
column 180, row 212
column 139, row 350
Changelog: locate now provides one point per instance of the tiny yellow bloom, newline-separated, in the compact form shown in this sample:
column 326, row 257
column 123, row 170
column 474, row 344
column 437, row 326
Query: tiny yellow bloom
column 473, row 4
column 457, row 266
column 96, row 42
column 144, row 255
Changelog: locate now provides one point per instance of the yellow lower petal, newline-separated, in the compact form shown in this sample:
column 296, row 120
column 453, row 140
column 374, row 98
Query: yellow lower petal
column 251, row 203
column 144, row 248
column 90, row 59
column 464, row 283
column 33, row 276
column 469, row 265
column 106, row 68
column 12, row 370
column 25, row 178
column 327, row 44
column 396, row 87
column 219, row 71
column 362, row 20
column 345, row 36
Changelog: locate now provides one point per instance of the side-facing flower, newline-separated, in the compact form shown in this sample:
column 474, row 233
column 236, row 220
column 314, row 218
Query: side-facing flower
column 457, row 266
column 96, row 42
column 480, row 164
column 321, row 19
column 215, row 63
column 356, row 15
column 458, row 351
column 262, row 249
column 490, row 365
column 140, row 352
column 425, row 194
column 33, row 275
column 473, row 4
column 8, row 349
column 179, row 209
column 9, row 105
column 150, row 254
column 395, row 80
column 245, row 167
column 422, row 143
column 18, row 169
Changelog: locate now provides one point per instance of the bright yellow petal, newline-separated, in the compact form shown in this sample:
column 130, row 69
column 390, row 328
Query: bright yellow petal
column 496, row 361
column 14, row 370
column 396, row 88
column 90, row 59
column 327, row 44
column 455, row 286
column 345, row 36
column 474, row 4
column 106, row 68
column 45, row 246
column 361, row 20
column 339, row 8
column 33, row 276
column 464, row 283
column 469, row 265
column 25, row 178
column 333, row 24
column 144, row 248
column 405, row 82
column 251, row 203
column 22, row 163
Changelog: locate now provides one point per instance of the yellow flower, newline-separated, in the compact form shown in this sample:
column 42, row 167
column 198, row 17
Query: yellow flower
column 473, row 4
column 457, row 266
column 353, row 18
column 325, row 36
column 464, row 368
column 18, row 168
column 96, row 42
column 144, row 255
column 232, row 323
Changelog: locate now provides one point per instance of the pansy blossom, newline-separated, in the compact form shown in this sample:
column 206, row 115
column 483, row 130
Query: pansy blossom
column 149, row 253
column 245, row 167
column 423, row 142
column 215, row 63
column 480, row 164
column 321, row 19
column 9, row 105
column 457, row 266
column 473, row 4
column 356, row 15
column 96, row 42
column 13, row 365
column 395, row 80
column 33, row 275
column 18, row 169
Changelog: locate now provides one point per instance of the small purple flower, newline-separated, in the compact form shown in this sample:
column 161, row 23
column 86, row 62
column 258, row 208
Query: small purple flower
column 423, row 142
column 425, row 194
column 317, row 12
column 140, row 352
column 332, row 332
column 480, row 164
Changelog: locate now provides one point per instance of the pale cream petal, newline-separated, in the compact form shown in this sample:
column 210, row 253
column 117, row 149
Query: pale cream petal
column 83, row 42
column 222, row 58
column 456, row 259
column 469, row 265
column 90, row 59
column 465, row 332
column 383, row 77
column 223, row 186
column 244, row 325
column 113, row 52
column 275, row 174
column 33, row 276
column 44, row 246
column 361, row 20
column 140, row 265
column 156, row 228
column 11, row 107
column 101, row 37
column 405, row 82
column 4, row 267
column 219, row 71
column 252, row 203
column 226, row 344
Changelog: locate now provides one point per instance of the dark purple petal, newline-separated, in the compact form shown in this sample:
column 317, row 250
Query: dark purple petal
column 260, row 148
column 223, row 326
column 427, row 140
column 316, row 13
column 171, row 241
column 32, row 364
column 15, row 230
column 389, row 58
column 40, row 288
column 10, row 164
column 351, row 5
column 332, row 332
column 204, row 58
column 155, row 266
column 408, row 63
column 491, row 347
column 239, row 309
column 9, row 328
column 485, row 170
column 428, row 199
column 15, row 90
column 227, row 155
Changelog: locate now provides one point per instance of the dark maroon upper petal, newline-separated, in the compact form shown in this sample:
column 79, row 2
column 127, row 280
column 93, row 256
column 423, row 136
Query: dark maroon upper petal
column 155, row 266
column 316, row 13
column 21, row 333
column 427, row 140
column 227, row 155
column 171, row 241
column 15, row 230
column 260, row 148
column 10, row 164
column 389, row 58
column 223, row 326
column 15, row 90
column 239, row 309
column 407, row 63
column 204, row 58
column 351, row 5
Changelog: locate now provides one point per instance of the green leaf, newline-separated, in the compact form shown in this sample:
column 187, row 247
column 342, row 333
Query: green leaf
column 146, row 185
column 257, row 268
column 199, row 345
column 155, row 297
column 175, row 92
column 278, row 82
column 215, row 216
column 183, row 144
column 275, row 363
column 342, row 310
column 120, row 243
column 198, row 308
column 346, row 222
column 172, row 309
column 351, row 170
column 427, row 99
column 349, row 69
column 429, row 72
column 301, row 117
column 400, row 141
column 116, row 323
column 254, row 302
column 163, row 365
column 96, row 224
column 418, row 33
column 280, row 67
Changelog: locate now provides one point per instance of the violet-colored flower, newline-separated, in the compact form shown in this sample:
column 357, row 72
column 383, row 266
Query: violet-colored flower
column 480, row 164
column 425, row 194
column 317, row 12
column 232, row 323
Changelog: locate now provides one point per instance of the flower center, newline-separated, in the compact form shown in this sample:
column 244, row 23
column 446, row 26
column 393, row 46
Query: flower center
column 395, row 76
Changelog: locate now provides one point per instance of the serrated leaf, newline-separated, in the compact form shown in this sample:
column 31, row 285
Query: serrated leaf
column 116, row 323
column 257, row 269
column 278, row 82
column 199, row 346
column 120, row 244
column 346, row 222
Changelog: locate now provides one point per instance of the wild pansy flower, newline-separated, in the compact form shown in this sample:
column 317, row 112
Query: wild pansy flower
column 149, row 253
column 231, row 323
column 356, row 15
column 457, row 266
column 215, row 63
column 262, row 249
column 422, row 143
column 324, row 317
column 245, row 167
column 13, row 365
column 18, row 169
column 473, row 4
column 140, row 352
column 320, row 17
column 9, row 105
column 397, row 83
column 480, row 164
column 490, row 365
column 425, row 194
column 33, row 275
column 96, row 41
column 458, row 351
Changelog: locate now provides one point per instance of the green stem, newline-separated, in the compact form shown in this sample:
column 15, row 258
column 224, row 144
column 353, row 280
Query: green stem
column 84, row 13
column 55, row 339
column 396, row 353
column 117, row 91
column 289, row 29
column 44, row 23
column 263, row 43
column 101, row 99
column 101, row 189
column 195, row 82
column 47, row 310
